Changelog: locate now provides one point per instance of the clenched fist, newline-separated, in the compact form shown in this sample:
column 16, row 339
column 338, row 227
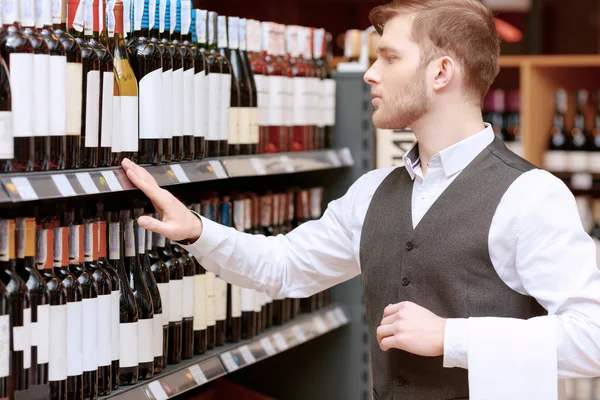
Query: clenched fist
column 412, row 328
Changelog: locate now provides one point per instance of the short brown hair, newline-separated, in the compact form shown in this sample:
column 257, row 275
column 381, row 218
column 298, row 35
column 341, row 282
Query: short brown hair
column 463, row 29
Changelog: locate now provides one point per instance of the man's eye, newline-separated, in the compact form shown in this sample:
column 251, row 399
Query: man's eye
column 390, row 59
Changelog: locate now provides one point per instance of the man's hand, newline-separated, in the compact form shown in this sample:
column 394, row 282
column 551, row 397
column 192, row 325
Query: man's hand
column 412, row 328
column 177, row 221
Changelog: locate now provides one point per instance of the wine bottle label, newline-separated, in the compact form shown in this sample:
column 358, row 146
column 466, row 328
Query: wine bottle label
column 201, row 16
column 74, row 87
column 141, row 240
column 149, row 239
column 247, row 214
column 128, row 350
column 40, row 334
column 129, row 239
column 236, row 301
column 210, row 281
column 57, row 6
column 577, row 161
column 110, row 14
column 234, row 126
column 146, row 340
column 57, row 104
column 57, row 365
column 276, row 98
column 244, row 124
column 239, row 214
column 151, row 13
column 186, row 16
column 158, row 336
column 6, row 135
column 220, row 299
column 88, row 242
column 44, row 255
column 79, row 18
column 127, row 5
column 222, row 32
column 22, row 338
column 4, row 240
column 214, row 106
column 200, row 302
column 254, row 129
column 289, row 102
column 199, row 104
column 300, row 93
column 39, row 11
column 257, row 301
column 188, row 102
column 173, row 16
column 117, row 125
column 175, row 300
column 75, row 244
column 150, row 105
column 114, row 230
column 225, row 106
column 22, row 92
column 234, row 32
column 188, row 297
column 247, row 300
column 162, row 11
column 88, row 27
column 556, row 160
column 329, row 87
column 163, row 289
column 104, row 325
column 265, row 31
column 167, row 104
column 92, row 109
column 21, row 238
column 594, row 162
column 115, row 330
column 316, row 196
column 58, row 247
column 27, row 13
column 320, row 103
column 161, row 241
column 74, row 339
column 90, row 333
column 5, row 346
column 266, row 204
column 106, row 125
column 177, row 99
column 129, row 123
column 212, row 28
column 242, row 34
column 138, row 14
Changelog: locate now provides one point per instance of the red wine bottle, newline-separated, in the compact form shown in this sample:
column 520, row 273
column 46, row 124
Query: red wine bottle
column 158, row 340
column 187, row 310
column 199, row 301
column 234, row 292
column 209, row 211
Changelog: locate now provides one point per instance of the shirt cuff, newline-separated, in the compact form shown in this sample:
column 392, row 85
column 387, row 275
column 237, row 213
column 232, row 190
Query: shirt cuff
column 456, row 336
column 210, row 237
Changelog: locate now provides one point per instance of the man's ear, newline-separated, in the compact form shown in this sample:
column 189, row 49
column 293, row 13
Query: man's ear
column 445, row 68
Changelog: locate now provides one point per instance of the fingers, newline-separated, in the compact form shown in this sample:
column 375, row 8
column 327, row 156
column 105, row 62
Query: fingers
column 384, row 331
column 394, row 308
column 390, row 319
column 143, row 181
column 390, row 342
column 154, row 225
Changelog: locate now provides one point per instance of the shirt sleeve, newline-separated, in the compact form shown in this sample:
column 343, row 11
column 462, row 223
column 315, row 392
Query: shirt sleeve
column 316, row 255
column 555, row 261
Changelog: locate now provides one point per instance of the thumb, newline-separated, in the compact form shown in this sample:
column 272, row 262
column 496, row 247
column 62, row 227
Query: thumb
column 154, row 225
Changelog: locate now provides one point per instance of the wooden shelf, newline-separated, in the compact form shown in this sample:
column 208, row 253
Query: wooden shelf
column 551, row 61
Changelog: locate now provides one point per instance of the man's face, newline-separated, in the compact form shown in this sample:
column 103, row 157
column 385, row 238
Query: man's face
column 398, row 81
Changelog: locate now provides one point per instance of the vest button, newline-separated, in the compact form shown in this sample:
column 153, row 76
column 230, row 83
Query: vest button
column 399, row 381
column 409, row 245
column 405, row 281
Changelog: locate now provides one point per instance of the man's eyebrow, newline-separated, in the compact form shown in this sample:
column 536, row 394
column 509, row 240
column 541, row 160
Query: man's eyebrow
column 386, row 49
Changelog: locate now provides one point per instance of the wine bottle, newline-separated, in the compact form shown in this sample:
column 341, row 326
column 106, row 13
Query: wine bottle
column 257, row 50
column 321, row 69
column 17, row 52
column 296, row 42
column 4, row 341
column 177, row 80
column 182, row 29
column 161, row 276
column 288, row 87
column 104, row 287
column 62, row 250
column 201, row 84
column 199, row 301
column 148, row 259
column 249, row 315
column 73, row 85
column 107, row 86
column 46, row 259
column 89, row 310
column 226, row 73
column 239, row 312
column 160, row 40
column 209, row 211
column 146, row 62
column 221, row 287
column 6, row 136
column 263, row 318
column 187, row 311
column 277, row 90
column 251, row 133
column 313, row 87
column 330, row 87
column 555, row 159
column 19, row 310
column 216, row 102
column 237, row 116
column 577, row 154
column 198, row 108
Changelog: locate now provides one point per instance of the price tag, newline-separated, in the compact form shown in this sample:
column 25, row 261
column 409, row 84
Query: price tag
column 320, row 324
column 86, row 182
column 280, row 342
column 180, row 173
column 341, row 317
column 63, row 185
column 334, row 158
column 247, row 354
column 230, row 364
column 581, row 181
column 288, row 166
column 24, row 188
column 258, row 167
column 198, row 375
column 112, row 181
column 268, row 346
column 157, row 390
column 346, row 157
column 299, row 333
column 332, row 318
column 218, row 168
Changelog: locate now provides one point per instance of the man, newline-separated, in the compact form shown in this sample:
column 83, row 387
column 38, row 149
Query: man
column 464, row 253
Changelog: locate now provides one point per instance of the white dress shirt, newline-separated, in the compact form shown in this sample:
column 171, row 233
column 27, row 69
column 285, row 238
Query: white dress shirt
column 536, row 242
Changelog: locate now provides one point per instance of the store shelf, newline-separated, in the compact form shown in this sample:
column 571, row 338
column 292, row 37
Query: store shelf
column 223, row 360
column 63, row 184
column 580, row 181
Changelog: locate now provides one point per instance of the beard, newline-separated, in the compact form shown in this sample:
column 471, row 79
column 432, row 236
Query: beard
column 406, row 107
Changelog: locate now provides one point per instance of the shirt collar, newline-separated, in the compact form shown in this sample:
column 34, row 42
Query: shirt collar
column 456, row 157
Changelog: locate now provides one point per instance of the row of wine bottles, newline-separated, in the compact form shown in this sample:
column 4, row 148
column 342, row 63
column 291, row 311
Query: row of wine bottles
column 85, row 83
column 90, row 301
column 502, row 110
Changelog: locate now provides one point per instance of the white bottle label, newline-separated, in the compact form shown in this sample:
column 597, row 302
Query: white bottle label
column 27, row 15
column 201, row 16
column 106, row 127
column 138, row 14
column 254, row 128
column 6, row 136
column 146, row 340
column 247, row 300
column 79, row 19
column 257, row 301
column 276, row 95
column 56, row 10
column 220, row 299
column 129, row 123
column 186, row 16
column 262, row 94
column 300, row 101
column 167, row 103
column 114, row 325
column 40, row 334
column 57, row 366
column 200, row 302
column 74, row 339
column 41, row 87
column 288, row 101
column 116, row 137
column 188, row 102
column 150, row 105
column 188, row 297
column 10, row 11
column 577, row 161
column 22, row 338
column 234, row 126
column 210, row 299
column 128, row 349
column 90, row 333
column 556, row 161
column 175, row 300
column 236, row 301
column 89, row 17
column 92, row 109
column 151, row 13
column 173, row 16
column 330, row 92
column 225, row 106
column 74, row 98
column 104, row 329
column 129, row 239
column 58, row 96
column 22, row 93
column 163, row 288
column 320, row 102
column 245, row 124
column 158, row 335
column 214, row 106
column 162, row 12
column 110, row 6
column 199, row 104
column 4, row 346
column 594, row 162
column 178, row 102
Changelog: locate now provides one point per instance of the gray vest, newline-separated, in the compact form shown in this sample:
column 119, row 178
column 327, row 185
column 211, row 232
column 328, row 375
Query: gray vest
column 443, row 265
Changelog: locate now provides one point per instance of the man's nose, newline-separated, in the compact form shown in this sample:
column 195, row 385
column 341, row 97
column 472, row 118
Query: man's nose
column 372, row 76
